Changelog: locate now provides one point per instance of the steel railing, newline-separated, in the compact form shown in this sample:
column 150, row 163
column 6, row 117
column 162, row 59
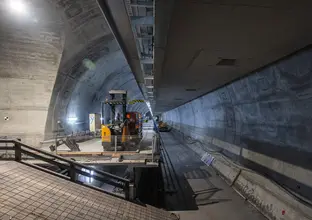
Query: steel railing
column 73, row 168
column 155, row 145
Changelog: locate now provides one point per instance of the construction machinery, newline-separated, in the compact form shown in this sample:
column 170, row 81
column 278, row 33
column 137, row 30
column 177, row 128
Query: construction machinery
column 163, row 127
column 121, row 130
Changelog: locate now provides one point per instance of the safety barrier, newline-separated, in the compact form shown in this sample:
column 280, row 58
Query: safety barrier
column 133, row 143
column 22, row 152
column 156, row 145
column 78, row 136
column 126, row 143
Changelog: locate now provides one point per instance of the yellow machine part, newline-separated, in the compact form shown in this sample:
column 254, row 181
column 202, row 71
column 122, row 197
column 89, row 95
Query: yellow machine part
column 125, row 134
column 106, row 134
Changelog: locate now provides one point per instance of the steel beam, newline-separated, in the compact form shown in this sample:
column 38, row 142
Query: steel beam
column 116, row 16
column 142, row 20
column 145, row 37
column 142, row 5
column 149, row 77
column 147, row 61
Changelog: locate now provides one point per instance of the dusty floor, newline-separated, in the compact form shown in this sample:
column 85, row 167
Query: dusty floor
column 200, row 192
column 95, row 145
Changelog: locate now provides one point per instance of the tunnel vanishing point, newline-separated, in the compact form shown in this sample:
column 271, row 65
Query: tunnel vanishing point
column 236, row 76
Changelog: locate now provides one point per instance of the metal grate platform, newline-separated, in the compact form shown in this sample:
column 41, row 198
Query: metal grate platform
column 28, row 193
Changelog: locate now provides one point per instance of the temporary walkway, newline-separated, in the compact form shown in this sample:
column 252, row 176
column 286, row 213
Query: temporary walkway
column 28, row 193
column 141, row 155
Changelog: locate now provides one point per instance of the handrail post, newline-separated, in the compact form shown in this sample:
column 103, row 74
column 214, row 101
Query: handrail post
column 127, row 191
column 115, row 143
column 18, row 153
column 153, row 148
column 6, row 151
column 158, row 143
column 55, row 142
column 72, row 173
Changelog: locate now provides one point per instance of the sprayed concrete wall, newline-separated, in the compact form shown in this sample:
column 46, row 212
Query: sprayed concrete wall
column 262, row 121
column 30, row 53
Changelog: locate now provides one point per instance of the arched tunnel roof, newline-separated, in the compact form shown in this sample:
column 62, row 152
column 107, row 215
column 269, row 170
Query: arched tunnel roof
column 62, row 64
column 92, row 64
column 86, row 63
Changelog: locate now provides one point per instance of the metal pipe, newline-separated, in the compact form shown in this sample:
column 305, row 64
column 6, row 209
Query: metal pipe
column 124, row 106
column 153, row 148
column 102, row 113
column 115, row 143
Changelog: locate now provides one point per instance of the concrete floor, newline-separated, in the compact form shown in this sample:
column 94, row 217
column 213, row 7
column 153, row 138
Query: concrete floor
column 139, row 157
column 95, row 145
column 201, row 193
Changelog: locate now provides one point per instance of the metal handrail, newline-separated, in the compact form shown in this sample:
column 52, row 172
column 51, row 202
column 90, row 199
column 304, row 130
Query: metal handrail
column 73, row 167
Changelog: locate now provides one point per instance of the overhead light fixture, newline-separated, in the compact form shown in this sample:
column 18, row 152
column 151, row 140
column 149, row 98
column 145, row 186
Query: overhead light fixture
column 89, row 64
column 17, row 7
column 72, row 120
column 149, row 107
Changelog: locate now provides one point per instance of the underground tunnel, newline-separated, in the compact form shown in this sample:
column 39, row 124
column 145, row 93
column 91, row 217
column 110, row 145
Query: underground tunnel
column 207, row 109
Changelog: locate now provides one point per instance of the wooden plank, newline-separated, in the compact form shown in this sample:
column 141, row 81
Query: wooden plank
column 107, row 153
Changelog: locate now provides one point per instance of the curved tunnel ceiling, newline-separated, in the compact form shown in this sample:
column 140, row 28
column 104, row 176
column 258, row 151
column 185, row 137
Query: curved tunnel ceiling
column 31, row 48
column 202, row 45
column 58, row 58
column 91, row 65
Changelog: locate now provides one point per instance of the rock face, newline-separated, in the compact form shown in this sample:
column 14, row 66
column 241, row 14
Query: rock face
column 57, row 61
column 262, row 121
